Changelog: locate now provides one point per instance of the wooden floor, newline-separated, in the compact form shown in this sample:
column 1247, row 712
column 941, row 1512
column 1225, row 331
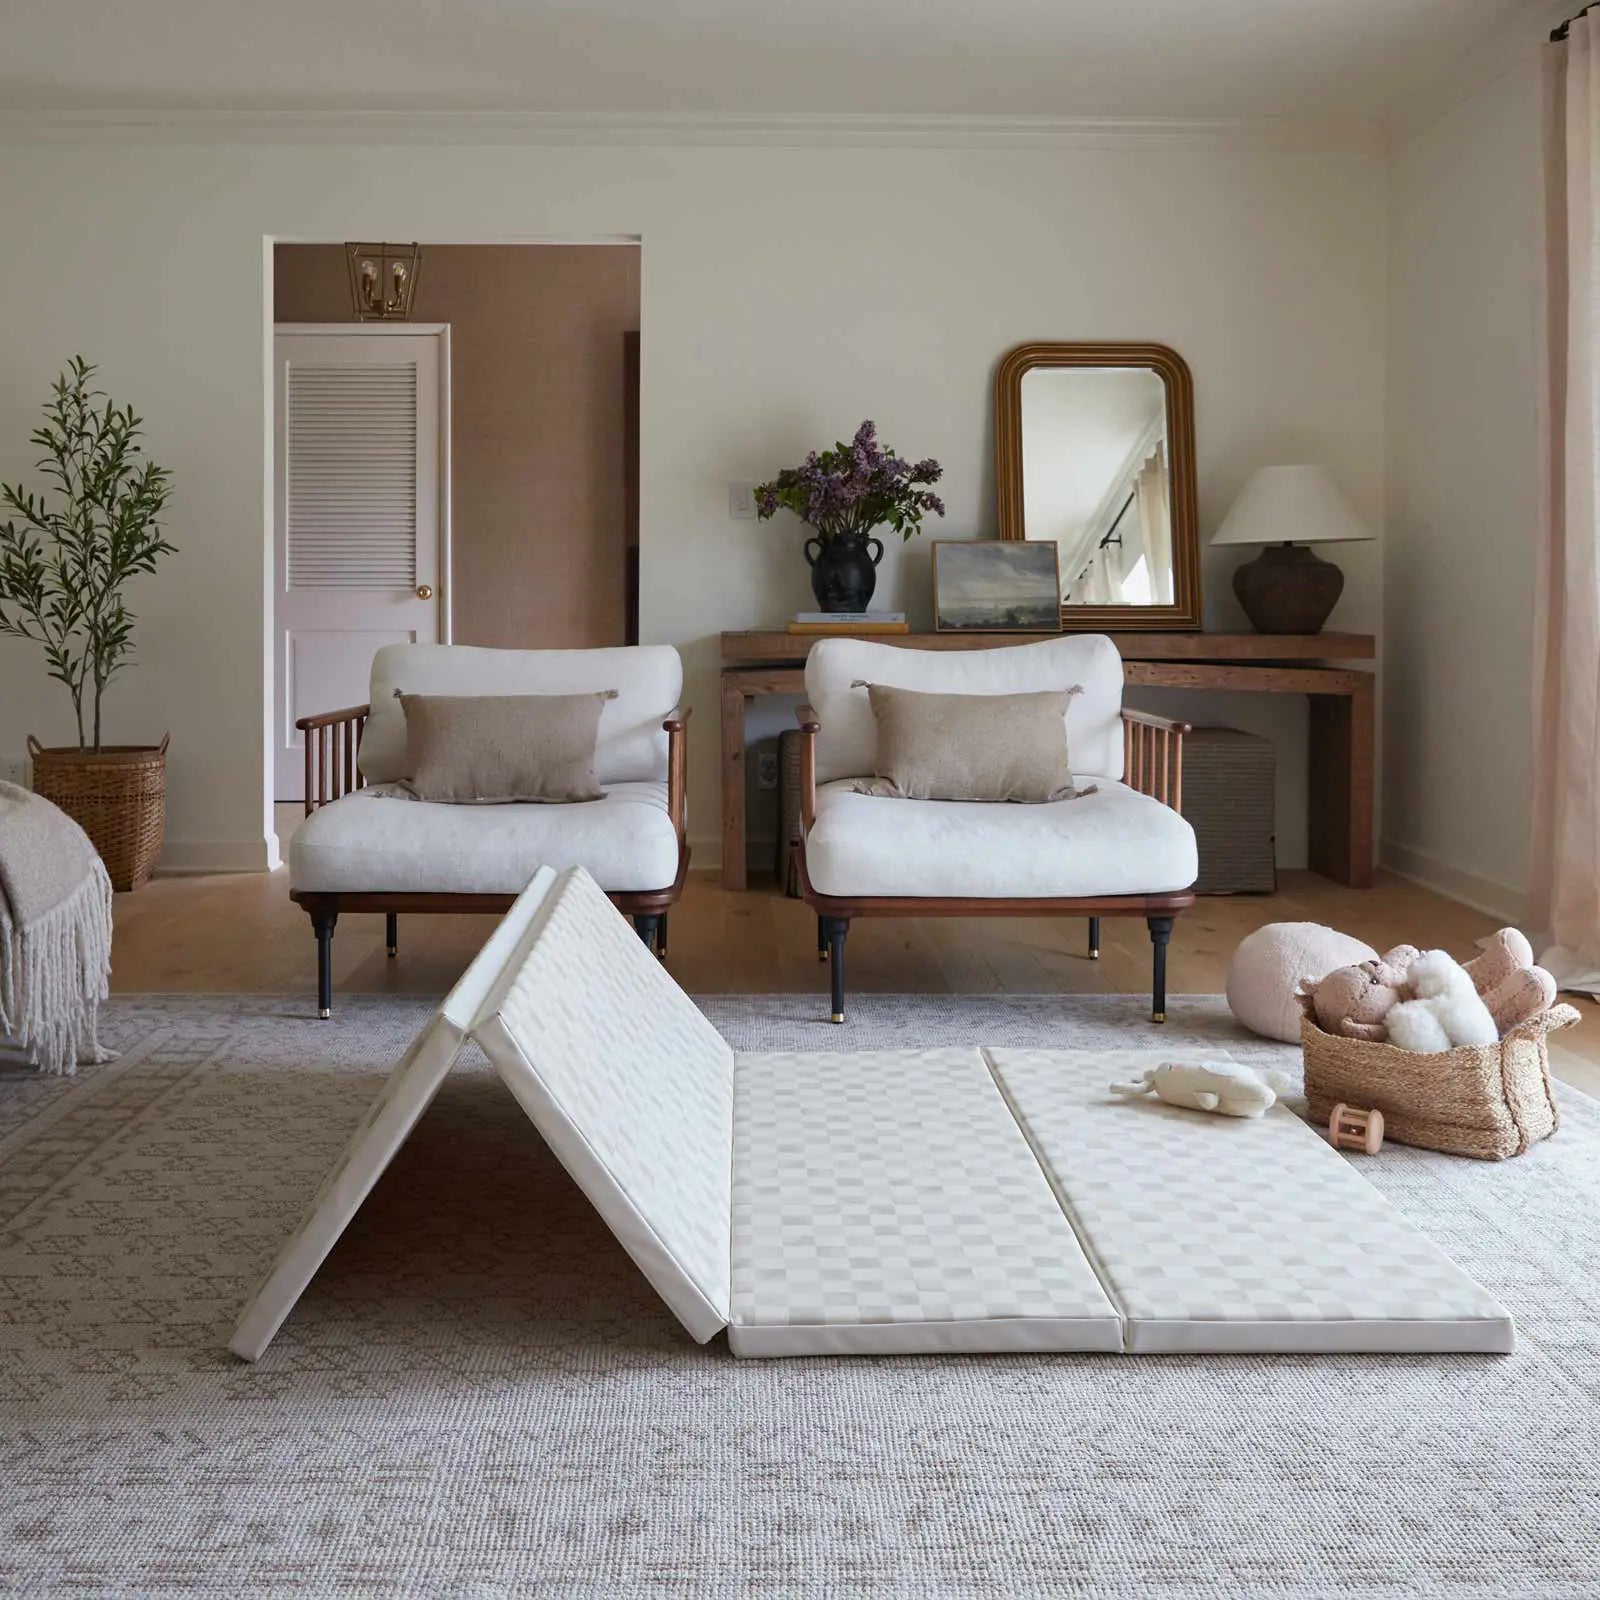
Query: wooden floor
column 241, row 934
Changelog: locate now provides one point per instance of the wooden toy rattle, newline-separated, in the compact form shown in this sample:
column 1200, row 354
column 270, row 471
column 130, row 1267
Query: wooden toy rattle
column 1352, row 1128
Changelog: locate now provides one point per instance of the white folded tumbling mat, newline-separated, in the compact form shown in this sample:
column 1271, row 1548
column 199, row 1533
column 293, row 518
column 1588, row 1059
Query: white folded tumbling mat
column 890, row 1202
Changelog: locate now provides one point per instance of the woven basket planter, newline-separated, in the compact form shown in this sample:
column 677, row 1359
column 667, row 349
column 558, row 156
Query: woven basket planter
column 117, row 795
column 1489, row 1101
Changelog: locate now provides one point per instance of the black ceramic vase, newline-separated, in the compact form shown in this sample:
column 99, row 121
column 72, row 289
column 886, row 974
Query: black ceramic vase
column 843, row 570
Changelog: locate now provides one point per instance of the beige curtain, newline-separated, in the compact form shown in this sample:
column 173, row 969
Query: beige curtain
column 1565, row 897
column 1155, row 514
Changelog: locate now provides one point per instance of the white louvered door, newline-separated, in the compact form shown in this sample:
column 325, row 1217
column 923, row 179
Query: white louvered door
column 360, row 511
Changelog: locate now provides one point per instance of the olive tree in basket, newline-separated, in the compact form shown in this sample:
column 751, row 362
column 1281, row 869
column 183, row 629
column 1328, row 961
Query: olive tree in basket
column 66, row 555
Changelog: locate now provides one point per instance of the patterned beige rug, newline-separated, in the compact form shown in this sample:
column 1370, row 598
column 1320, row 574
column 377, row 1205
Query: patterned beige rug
column 480, row 1397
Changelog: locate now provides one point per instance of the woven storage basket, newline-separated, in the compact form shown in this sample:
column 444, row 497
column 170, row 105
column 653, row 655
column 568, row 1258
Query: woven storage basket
column 1228, row 800
column 1490, row 1101
column 117, row 795
column 791, row 827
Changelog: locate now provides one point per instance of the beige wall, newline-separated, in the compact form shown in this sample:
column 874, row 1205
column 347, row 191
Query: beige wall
column 1463, row 489
column 537, row 424
column 787, row 291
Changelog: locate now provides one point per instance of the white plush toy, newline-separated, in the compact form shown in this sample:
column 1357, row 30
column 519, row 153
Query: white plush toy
column 1446, row 1011
column 1222, row 1086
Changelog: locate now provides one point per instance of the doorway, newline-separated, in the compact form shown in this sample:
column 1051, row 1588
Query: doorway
column 537, row 465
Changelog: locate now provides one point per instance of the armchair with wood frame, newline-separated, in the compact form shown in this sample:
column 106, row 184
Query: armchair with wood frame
column 363, row 850
column 1124, row 850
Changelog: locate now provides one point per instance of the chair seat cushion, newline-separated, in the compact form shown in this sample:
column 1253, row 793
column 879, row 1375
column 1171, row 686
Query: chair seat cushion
column 372, row 844
column 1113, row 842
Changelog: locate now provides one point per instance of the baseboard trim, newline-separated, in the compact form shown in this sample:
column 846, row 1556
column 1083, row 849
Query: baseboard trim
column 193, row 858
column 1482, row 894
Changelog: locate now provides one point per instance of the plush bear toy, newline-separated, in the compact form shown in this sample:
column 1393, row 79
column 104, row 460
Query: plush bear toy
column 1354, row 1001
column 1511, row 986
column 1447, row 1010
column 1222, row 1086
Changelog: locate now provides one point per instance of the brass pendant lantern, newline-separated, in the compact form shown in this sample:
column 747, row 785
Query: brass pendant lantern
column 383, row 279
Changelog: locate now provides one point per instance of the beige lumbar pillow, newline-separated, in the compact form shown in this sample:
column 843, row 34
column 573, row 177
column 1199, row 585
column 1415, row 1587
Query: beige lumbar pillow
column 496, row 749
column 971, row 746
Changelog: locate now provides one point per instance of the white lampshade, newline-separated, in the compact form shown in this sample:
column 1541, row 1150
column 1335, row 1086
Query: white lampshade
column 1291, row 505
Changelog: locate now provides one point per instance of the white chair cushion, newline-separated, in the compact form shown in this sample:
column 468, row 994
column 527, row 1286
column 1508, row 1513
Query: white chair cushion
column 1114, row 841
column 847, row 746
column 631, row 747
column 374, row 844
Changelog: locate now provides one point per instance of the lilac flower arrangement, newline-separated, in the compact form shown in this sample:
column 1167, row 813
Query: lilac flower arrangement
column 853, row 488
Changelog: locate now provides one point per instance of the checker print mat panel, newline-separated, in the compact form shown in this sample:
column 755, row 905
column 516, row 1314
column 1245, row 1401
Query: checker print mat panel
column 1236, row 1224
column 893, row 1187
column 630, row 1085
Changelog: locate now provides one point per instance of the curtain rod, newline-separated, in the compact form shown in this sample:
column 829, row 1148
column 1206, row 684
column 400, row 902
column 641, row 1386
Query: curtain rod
column 1558, row 34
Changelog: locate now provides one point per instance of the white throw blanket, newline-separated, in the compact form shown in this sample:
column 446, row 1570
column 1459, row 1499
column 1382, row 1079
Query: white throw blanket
column 55, row 933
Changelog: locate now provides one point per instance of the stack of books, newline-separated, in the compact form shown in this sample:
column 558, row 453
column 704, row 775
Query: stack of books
column 849, row 622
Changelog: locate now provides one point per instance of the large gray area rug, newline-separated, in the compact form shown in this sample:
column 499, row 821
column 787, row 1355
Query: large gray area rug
column 479, row 1396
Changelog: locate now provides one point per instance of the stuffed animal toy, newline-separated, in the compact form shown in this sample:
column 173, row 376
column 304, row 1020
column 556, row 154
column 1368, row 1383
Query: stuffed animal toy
column 1512, row 987
column 1354, row 1001
column 1221, row 1086
column 1447, row 1010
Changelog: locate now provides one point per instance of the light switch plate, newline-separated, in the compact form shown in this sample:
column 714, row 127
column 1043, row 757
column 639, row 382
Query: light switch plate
column 742, row 501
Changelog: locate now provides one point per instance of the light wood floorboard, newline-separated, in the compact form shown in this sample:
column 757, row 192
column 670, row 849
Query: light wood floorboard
column 241, row 934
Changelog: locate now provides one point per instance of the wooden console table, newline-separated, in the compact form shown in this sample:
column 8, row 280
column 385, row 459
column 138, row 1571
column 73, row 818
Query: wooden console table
column 1339, row 747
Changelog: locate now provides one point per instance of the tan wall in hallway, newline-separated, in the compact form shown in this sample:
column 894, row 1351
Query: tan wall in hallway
column 536, row 335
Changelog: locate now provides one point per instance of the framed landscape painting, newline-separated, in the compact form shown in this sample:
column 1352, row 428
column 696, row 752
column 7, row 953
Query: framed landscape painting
column 996, row 586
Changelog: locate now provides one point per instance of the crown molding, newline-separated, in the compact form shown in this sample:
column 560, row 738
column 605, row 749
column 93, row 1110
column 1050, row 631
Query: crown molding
column 512, row 128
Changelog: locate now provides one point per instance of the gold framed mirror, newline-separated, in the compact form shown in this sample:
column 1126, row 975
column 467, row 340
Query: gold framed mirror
column 1094, row 449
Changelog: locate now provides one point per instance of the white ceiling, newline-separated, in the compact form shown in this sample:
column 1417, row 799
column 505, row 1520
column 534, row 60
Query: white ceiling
column 1303, row 59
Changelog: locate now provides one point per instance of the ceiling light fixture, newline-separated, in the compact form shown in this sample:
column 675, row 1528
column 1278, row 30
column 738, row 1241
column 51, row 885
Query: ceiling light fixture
column 383, row 279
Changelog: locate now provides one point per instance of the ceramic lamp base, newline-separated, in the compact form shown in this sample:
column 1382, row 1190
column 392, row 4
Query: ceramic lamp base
column 1288, row 588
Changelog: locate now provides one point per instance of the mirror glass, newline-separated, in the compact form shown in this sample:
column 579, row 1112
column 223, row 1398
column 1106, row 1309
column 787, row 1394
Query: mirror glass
column 1097, row 479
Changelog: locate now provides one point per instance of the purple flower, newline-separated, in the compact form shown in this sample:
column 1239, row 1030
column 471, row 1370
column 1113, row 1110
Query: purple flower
column 853, row 488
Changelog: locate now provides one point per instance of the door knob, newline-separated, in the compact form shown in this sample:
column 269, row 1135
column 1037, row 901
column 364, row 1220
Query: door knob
column 424, row 591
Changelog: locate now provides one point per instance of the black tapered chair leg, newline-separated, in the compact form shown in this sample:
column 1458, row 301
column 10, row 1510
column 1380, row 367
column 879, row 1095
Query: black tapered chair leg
column 391, row 933
column 1160, row 933
column 1094, row 938
column 822, row 941
column 834, row 929
column 647, row 924
column 322, row 923
column 661, row 937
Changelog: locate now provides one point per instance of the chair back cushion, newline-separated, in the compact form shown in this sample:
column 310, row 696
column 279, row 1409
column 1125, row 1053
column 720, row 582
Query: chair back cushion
column 847, row 746
column 631, row 748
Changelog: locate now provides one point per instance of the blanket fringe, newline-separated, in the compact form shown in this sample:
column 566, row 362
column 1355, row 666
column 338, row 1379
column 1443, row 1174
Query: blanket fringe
column 55, row 973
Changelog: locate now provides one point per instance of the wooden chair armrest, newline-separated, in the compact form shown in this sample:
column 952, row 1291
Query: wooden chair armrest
column 677, row 730
column 809, row 729
column 332, row 740
column 1149, row 719
column 1152, row 755
column 327, row 719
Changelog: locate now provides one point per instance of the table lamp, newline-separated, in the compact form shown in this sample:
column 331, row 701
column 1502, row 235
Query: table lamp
column 1289, row 588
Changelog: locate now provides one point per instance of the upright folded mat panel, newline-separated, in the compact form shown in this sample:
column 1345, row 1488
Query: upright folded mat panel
column 630, row 1086
column 1236, row 1233
column 405, row 1095
column 886, row 1202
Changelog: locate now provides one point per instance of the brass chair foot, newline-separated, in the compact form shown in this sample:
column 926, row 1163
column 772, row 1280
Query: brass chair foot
column 1158, row 1016
column 838, row 1016
column 661, row 954
column 1094, row 955
column 390, row 951
column 323, row 1014
column 822, row 956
